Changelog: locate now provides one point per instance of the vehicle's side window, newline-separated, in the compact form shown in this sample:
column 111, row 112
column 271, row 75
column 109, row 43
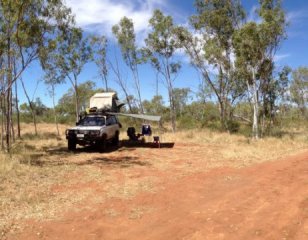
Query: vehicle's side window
column 109, row 121
column 114, row 120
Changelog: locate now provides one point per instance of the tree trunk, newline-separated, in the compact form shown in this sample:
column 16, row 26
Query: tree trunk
column 171, row 99
column 8, row 121
column 76, row 102
column 106, row 83
column 8, row 93
column 31, row 106
column 121, row 82
column 34, row 119
column 16, row 103
column 223, row 114
column 303, row 111
column 17, row 112
column 263, row 123
column 12, row 123
column 2, row 123
column 172, row 111
column 255, row 102
column 54, row 108
column 134, row 69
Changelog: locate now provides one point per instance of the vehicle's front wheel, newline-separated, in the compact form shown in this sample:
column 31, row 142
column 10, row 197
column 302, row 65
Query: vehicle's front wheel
column 71, row 145
column 102, row 144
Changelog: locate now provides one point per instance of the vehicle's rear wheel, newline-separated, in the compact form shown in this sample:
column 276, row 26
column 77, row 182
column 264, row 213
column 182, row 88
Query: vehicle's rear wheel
column 71, row 145
column 115, row 140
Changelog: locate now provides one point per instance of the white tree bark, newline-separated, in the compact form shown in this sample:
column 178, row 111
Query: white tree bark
column 255, row 102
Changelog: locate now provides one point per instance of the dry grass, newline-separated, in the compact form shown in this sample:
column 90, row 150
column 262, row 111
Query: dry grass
column 242, row 151
column 41, row 178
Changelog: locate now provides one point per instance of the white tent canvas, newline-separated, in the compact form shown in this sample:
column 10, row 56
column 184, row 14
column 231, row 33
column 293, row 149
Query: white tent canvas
column 106, row 100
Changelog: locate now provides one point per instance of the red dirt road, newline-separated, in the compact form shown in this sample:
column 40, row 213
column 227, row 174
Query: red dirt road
column 265, row 201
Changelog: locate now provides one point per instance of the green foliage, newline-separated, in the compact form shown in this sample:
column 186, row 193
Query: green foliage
column 70, row 53
column 218, row 19
column 161, row 45
column 31, row 26
column 212, row 47
column 255, row 46
column 233, row 126
column 249, row 49
column 99, row 46
column 65, row 107
column 160, row 40
column 38, row 106
column 180, row 96
column 199, row 115
column 28, row 30
column 299, row 89
column 154, row 106
column 125, row 34
column 40, row 110
column 126, row 37
column 222, row 31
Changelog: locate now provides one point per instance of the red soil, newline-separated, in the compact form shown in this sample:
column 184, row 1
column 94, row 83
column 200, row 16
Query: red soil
column 264, row 201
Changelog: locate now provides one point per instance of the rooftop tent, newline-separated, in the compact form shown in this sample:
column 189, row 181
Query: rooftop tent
column 107, row 100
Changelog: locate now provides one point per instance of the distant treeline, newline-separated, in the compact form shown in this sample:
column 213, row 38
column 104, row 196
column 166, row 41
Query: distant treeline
column 190, row 114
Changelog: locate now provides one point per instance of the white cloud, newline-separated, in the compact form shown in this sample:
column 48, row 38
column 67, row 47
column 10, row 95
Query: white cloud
column 279, row 57
column 100, row 15
column 296, row 16
column 297, row 20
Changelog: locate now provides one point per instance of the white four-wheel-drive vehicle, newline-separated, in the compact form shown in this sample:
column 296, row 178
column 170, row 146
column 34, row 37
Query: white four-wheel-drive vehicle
column 96, row 126
column 94, row 129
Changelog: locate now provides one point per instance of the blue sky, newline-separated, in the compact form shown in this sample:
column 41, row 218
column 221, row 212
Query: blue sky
column 98, row 16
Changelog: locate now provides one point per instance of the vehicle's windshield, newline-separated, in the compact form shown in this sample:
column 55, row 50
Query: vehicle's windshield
column 92, row 121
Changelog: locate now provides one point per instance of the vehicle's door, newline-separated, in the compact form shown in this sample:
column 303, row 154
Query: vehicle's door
column 114, row 125
column 109, row 127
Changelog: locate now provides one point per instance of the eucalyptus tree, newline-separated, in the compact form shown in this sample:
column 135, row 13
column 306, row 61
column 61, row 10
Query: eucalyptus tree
column 30, row 102
column 274, row 90
column 161, row 47
column 181, row 97
column 70, row 54
column 210, row 48
column 125, row 34
column 99, row 47
column 155, row 106
column 52, row 78
column 121, row 81
column 255, row 47
column 299, row 89
column 66, row 103
column 27, row 29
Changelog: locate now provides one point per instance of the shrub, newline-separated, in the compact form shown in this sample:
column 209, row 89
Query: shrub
column 233, row 126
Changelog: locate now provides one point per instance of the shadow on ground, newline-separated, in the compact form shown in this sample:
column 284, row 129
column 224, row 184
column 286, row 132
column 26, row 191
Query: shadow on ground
column 61, row 156
column 122, row 162
column 125, row 145
column 140, row 144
